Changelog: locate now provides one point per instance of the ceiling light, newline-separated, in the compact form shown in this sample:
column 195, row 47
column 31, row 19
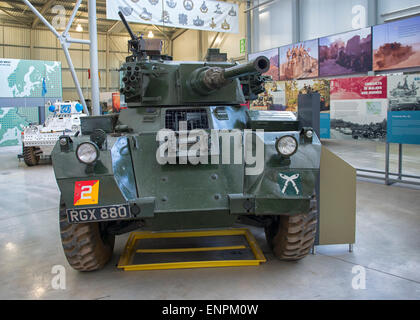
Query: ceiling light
column 150, row 35
column 79, row 28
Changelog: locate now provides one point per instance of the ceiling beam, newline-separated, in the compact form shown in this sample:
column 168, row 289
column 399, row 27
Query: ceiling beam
column 162, row 32
column 113, row 27
column 10, row 15
column 178, row 33
column 46, row 6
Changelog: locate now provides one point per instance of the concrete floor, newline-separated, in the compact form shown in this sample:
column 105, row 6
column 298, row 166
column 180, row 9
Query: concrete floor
column 387, row 245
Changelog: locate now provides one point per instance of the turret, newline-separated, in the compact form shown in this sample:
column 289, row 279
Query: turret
column 208, row 79
column 153, row 80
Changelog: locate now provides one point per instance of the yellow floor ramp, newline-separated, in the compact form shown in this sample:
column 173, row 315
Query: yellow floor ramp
column 190, row 249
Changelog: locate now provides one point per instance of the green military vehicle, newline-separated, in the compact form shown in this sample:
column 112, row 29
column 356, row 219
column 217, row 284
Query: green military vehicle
column 138, row 169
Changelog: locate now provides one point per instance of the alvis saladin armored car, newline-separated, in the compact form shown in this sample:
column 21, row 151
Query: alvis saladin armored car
column 39, row 140
column 112, row 180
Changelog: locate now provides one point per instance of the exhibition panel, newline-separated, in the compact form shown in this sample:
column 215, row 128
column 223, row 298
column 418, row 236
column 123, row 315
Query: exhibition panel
column 396, row 45
column 300, row 60
column 24, row 86
column 211, row 15
column 346, row 53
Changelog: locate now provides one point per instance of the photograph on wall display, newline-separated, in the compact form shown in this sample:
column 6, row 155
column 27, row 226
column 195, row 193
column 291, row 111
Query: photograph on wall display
column 359, row 108
column 396, row 45
column 299, row 60
column 404, row 92
column 346, row 53
column 404, row 109
column 274, row 97
column 273, row 56
column 295, row 87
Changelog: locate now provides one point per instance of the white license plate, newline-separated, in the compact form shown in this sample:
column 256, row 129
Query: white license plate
column 106, row 213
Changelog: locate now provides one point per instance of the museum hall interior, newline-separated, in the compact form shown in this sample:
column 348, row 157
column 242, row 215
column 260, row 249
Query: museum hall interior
column 210, row 150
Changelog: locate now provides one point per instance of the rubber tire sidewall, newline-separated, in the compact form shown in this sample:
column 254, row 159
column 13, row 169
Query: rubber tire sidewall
column 85, row 246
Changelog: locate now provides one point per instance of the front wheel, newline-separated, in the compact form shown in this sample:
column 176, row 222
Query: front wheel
column 87, row 246
column 292, row 237
column 30, row 156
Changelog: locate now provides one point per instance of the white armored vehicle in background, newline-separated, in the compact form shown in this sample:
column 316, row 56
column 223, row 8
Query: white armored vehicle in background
column 39, row 140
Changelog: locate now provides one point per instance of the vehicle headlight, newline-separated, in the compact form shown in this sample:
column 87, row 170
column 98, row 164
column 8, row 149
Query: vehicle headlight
column 286, row 146
column 63, row 141
column 87, row 152
column 309, row 134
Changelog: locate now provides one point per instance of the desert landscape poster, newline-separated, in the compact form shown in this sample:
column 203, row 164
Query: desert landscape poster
column 396, row 45
column 299, row 60
column 346, row 53
column 273, row 56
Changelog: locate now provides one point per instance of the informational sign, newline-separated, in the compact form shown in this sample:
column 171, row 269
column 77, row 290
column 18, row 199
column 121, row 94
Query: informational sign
column 359, row 108
column 30, row 79
column 325, row 125
column 404, row 109
column 242, row 45
column 273, row 56
column 396, row 45
column 299, row 60
column 346, row 53
column 190, row 14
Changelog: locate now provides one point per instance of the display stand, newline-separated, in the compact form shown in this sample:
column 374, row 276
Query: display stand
column 386, row 175
column 337, row 210
column 335, row 188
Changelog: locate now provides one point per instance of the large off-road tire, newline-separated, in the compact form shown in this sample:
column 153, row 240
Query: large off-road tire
column 86, row 246
column 292, row 237
column 30, row 157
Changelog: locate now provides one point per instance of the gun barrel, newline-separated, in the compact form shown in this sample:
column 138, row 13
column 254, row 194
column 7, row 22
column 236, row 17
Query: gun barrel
column 124, row 21
column 205, row 80
column 258, row 65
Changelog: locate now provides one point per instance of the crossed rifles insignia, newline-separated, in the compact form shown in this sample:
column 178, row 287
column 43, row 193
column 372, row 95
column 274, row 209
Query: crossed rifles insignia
column 289, row 180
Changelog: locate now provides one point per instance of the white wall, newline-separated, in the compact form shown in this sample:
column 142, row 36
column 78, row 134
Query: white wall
column 272, row 25
column 387, row 6
column 284, row 22
column 185, row 47
column 320, row 18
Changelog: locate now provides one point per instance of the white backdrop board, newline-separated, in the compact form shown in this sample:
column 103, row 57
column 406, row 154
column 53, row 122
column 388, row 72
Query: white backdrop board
column 190, row 14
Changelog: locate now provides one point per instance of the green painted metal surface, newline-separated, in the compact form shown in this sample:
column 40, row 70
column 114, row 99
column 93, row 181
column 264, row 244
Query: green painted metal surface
column 185, row 196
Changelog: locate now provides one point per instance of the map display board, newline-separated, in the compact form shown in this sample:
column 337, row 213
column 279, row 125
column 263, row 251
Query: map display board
column 359, row 108
column 24, row 86
column 12, row 122
column 404, row 109
column 30, row 79
column 299, row 60
column 190, row 14
column 396, row 45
